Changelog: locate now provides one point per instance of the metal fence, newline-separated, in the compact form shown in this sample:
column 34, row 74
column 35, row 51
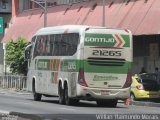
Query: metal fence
column 13, row 82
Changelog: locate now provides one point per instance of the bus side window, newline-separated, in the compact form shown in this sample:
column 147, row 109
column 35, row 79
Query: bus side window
column 64, row 45
column 54, row 52
column 73, row 43
column 40, row 46
column 52, row 42
column 48, row 46
column 32, row 50
column 37, row 47
column 57, row 44
column 43, row 45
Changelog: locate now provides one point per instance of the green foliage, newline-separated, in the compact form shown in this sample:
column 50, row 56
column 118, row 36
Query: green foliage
column 15, row 56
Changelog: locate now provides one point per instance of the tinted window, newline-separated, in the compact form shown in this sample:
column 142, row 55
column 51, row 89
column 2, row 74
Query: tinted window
column 32, row 42
column 149, row 78
column 41, row 46
column 56, row 45
column 64, row 45
column 150, row 82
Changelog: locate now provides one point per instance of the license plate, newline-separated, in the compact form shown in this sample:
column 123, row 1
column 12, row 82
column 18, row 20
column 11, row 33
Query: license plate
column 104, row 92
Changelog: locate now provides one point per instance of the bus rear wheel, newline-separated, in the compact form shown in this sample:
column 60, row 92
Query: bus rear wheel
column 61, row 94
column 107, row 103
column 36, row 96
column 68, row 100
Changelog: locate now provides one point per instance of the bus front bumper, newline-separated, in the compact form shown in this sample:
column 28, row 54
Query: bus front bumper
column 99, row 93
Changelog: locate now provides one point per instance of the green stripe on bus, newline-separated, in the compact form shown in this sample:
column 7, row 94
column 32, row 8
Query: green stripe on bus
column 75, row 65
column 43, row 64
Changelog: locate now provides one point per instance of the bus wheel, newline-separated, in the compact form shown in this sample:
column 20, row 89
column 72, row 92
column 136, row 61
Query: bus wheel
column 107, row 103
column 36, row 96
column 69, row 101
column 61, row 94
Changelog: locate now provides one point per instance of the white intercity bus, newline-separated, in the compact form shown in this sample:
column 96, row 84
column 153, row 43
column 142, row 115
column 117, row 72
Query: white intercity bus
column 77, row 62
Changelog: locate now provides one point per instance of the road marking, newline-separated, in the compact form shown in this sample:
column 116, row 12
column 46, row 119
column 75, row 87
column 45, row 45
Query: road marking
column 25, row 103
column 67, row 109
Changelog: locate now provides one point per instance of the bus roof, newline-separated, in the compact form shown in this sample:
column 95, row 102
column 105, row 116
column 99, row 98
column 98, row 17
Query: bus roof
column 67, row 29
column 61, row 29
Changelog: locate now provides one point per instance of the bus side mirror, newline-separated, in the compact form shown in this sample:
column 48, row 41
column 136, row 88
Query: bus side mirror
column 27, row 54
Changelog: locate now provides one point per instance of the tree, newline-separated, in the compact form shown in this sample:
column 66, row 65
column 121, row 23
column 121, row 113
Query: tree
column 15, row 56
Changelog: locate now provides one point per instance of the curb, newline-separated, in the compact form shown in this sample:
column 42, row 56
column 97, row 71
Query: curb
column 149, row 104
column 20, row 92
column 26, row 116
column 6, row 115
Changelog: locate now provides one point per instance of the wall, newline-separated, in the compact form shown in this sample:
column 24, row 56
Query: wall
column 145, row 54
column 5, row 13
column 15, row 8
column 5, row 7
column 1, row 58
column 6, row 19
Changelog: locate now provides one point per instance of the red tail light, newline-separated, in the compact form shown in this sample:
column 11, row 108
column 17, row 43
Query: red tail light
column 140, row 87
column 128, row 80
column 81, row 79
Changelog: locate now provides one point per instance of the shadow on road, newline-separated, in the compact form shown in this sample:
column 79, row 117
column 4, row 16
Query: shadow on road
column 91, row 104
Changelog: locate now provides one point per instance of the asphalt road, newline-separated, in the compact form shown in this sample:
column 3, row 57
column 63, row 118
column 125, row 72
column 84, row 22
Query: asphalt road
column 49, row 108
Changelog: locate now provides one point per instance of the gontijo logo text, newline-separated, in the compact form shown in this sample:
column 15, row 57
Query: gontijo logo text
column 111, row 40
column 106, row 40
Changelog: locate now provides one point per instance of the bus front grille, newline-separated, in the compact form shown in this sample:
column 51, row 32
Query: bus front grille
column 106, row 61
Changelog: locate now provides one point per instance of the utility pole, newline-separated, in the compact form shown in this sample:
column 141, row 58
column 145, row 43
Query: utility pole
column 45, row 14
column 40, row 2
column 103, row 14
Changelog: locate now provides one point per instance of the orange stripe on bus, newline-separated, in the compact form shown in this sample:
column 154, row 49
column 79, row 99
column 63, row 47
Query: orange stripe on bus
column 51, row 64
column 57, row 69
column 57, row 64
column 119, row 39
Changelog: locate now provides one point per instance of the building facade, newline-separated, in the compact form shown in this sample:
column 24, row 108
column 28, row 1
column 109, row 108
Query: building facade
column 141, row 17
column 5, row 15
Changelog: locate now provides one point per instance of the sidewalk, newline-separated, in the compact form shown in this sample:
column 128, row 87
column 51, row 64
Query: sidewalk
column 14, row 91
column 146, row 103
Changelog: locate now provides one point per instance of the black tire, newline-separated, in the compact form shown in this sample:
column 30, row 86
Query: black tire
column 69, row 101
column 107, row 103
column 132, row 96
column 61, row 94
column 36, row 96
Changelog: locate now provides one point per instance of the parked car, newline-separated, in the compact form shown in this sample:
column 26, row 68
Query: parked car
column 145, row 86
